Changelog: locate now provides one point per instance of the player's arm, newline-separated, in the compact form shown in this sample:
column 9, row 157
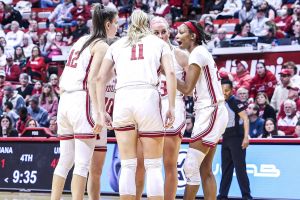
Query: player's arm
column 192, row 75
column 243, row 115
column 182, row 58
column 98, row 51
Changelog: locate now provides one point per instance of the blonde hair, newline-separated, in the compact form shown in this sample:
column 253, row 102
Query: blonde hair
column 159, row 20
column 138, row 28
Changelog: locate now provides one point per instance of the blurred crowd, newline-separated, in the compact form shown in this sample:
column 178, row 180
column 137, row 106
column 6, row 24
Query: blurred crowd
column 33, row 33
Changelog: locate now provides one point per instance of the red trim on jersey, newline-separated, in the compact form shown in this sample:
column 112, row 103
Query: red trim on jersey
column 88, row 110
column 151, row 134
column 101, row 149
column 209, row 84
column 84, row 136
column 84, row 83
column 208, row 129
column 208, row 143
column 65, row 137
column 175, row 132
column 125, row 128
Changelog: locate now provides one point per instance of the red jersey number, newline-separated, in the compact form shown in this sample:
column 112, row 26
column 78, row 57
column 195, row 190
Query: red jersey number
column 109, row 105
column 140, row 52
column 72, row 60
column 163, row 88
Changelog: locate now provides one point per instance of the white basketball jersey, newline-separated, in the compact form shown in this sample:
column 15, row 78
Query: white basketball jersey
column 75, row 74
column 180, row 74
column 138, row 64
column 208, row 89
column 110, row 95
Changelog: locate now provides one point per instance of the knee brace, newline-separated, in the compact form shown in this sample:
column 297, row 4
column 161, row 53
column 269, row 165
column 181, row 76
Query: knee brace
column 84, row 150
column 66, row 159
column 192, row 165
column 127, row 177
column 155, row 182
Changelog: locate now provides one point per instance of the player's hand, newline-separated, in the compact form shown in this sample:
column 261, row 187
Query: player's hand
column 97, row 128
column 170, row 118
column 107, row 121
column 245, row 142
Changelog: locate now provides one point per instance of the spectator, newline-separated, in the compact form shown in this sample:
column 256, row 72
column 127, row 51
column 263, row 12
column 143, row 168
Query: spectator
column 247, row 13
column 243, row 95
column 269, row 11
column 25, row 89
column 270, row 129
column 287, row 123
column 214, row 7
column 19, row 57
column 296, row 33
column 12, row 96
column 32, row 123
column 263, row 81
column 283, row 19
column 210, row 29
column 36, row 66
column 217, row 41
column 258, row 23
column 3, row 83
column 80, row 10
column 33, row 31
column 50, row 33
column 50, row 3
column 244, row 32
column 11, row 15
column 8, row 110
column 281, row 91
column 2, row 57
column 53, row 125
column 265, row 110
column 293, row 94
column 37, row 113
column 12, row 71
column 37, row 89
column 295, row 79
column 61, row 15
column 43, row 45
column 24, row 117
column 242, row 77
column 7, row 49
column 15, row 36
column 2, row 11
column 162, row 8
column 125, row 6
column 256, row 122
column 230, row 7
column 297, row 129
column 80, row 30
column 189, row 104
column 189, row 125
column 54, row 49
column 7, row 129
column 48, row 100
column 55, row 83
column 109, row 4
column 27, row 45
column 295, row 17
column 140, row 5
column 67, row 35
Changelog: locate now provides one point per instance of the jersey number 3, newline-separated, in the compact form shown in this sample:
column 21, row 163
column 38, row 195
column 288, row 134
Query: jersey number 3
column 72, row 60
column 140, row 52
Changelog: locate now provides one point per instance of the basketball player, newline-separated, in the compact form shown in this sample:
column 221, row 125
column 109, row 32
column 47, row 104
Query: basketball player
column 211, row 114
column 75, row 119
column 137, row 59
column 159, row 27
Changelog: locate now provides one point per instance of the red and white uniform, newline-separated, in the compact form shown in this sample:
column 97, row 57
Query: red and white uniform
column 211, row 114
column 101, row 140
column 74, row 115
column 137, row 101
column 179, row 123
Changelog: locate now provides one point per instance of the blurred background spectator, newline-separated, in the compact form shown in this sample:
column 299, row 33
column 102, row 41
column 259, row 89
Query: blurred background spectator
column 7, row 129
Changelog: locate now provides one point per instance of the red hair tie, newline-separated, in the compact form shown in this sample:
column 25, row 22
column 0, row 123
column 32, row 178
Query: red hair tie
column 191, row 26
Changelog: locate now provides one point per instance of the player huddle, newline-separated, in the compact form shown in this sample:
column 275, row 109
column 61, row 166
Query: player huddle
column 150, row 77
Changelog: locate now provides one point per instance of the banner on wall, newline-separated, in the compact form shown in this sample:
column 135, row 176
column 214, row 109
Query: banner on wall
column 272, row 60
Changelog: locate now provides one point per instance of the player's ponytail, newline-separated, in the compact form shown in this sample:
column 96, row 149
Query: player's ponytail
column 100, row 16
column 138, row 28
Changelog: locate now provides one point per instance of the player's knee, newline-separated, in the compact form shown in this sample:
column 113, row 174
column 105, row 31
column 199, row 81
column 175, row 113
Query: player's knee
column 155, row 183
column 81, row 168
column 127, row 178
column 64, row 165
column 192, row 165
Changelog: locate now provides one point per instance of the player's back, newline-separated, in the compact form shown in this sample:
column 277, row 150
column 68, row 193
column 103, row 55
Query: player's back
column 74, row 76
column 138, row 64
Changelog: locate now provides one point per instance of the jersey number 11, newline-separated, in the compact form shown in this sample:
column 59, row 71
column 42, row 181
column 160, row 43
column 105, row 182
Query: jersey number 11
column 140, row 52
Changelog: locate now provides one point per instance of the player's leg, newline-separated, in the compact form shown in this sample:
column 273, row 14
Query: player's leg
column 194, row 158
column 93, row 185
column 65, row 163
column 153, row 150
column 170, row 156
column 140, row 171
column 84, row 149
column 127, row 144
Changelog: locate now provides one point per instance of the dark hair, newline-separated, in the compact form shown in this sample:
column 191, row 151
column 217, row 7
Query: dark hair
column 2, row 48
column 274, row 132
column 262, row 63
column 9, row 128
column 9, row 105
column 202, row 36
column 22, row 55
column 100, row 17
column 226, row 81
column 256, row 108
column 290, row 63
